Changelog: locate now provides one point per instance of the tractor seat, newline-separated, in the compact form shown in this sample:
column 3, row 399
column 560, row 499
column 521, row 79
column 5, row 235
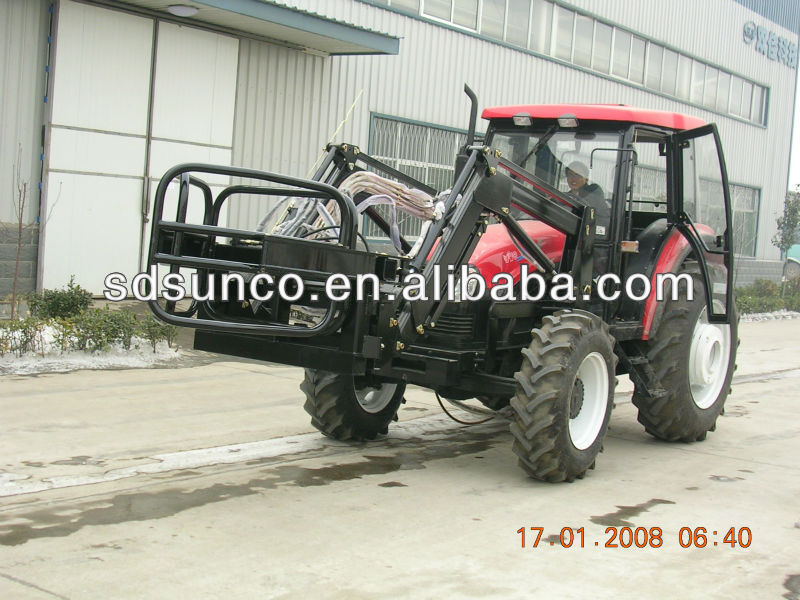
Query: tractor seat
column 656, row 228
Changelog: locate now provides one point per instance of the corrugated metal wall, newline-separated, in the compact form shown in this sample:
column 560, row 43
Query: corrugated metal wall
column 23, row 55
column 289, row 103
column 281, row 116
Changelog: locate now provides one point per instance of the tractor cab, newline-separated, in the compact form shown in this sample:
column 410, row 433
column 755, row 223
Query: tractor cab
column 619, row 161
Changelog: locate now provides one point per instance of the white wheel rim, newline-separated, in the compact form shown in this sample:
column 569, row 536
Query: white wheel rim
column 375, row 399
column 585, row 426
column 709, row 355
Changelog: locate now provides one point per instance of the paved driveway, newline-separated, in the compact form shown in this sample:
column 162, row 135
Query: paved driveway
column 207, row 481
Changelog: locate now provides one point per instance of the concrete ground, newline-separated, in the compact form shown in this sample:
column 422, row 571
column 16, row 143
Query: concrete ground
column 207, row 481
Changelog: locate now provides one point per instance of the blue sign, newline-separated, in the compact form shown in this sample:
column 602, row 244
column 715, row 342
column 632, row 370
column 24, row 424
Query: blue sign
column 770, row 45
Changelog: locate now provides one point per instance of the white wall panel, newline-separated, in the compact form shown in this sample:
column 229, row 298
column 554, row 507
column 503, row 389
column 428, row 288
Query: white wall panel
column 103, row 85
column 194, row 98
column 93, row 229
column 23, row 56
column 103, row 69
column 164, row 155
column 101, row 82
column 195, row 87
column 76, row 150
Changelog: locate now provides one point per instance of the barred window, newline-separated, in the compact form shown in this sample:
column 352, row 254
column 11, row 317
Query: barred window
column 425, row 152
column 745, row 203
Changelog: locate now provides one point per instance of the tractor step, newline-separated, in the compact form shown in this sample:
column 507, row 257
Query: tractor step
column 638, row 360
column 641, row 373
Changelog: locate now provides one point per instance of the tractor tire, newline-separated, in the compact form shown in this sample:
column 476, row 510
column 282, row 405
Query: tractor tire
column 694, row 363
column 564, row 396
column 343, row 410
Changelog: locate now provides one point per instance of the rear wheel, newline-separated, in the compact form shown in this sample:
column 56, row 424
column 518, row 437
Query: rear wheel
column 564, row 396
column 345, row 408
column 693, row 361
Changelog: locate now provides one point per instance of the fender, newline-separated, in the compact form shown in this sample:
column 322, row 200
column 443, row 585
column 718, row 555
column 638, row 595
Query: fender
column 673, row 252
column 662, row 249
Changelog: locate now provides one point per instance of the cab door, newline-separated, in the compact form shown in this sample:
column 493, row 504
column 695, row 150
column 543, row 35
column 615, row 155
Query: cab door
column 700, row 207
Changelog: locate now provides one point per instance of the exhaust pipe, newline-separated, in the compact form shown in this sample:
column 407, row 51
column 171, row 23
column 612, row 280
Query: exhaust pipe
column 462, row 156
column 473, row 114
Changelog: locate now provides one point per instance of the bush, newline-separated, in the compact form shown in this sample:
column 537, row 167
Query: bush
column 749, row 303
column 7, row 341
column 21, row 336
column 121, row 326
column 97, row 329
column 765, row 288
column 154, row 331
column 89, row 331
column 64, row 333
column 60, row 304
column 768, row 296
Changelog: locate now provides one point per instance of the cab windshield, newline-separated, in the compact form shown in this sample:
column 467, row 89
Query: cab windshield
column 579, row 164
column 549, row 155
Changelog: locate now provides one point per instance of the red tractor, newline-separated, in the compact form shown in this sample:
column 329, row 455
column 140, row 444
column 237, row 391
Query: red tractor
column 604, row 204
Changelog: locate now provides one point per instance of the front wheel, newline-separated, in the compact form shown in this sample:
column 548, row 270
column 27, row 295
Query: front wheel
column 564, row 396
column 345, row 408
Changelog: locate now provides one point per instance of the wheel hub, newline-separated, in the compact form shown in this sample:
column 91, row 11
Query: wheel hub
column 589, row 400
column 375, row 399
column 576, row 400
column 709, row 354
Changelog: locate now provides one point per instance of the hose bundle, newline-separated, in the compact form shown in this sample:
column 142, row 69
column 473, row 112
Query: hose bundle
column 385, row 191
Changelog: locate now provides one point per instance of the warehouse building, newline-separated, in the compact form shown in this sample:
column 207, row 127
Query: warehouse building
column 99, row 98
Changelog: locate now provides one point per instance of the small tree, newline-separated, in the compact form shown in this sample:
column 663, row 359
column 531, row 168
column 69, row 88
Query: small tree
column 19, row 201
column 18, row 204
column 788, row 223
column 788, row 233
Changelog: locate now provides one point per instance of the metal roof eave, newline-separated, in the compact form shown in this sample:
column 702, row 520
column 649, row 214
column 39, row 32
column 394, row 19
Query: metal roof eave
column 343, row 38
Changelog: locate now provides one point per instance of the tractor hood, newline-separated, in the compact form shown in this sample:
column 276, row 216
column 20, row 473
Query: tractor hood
column 496, row 252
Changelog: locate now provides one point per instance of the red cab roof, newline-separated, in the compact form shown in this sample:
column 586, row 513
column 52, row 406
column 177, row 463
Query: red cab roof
column 598, row 112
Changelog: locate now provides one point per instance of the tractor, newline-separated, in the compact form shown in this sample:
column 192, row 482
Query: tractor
column 550, row 198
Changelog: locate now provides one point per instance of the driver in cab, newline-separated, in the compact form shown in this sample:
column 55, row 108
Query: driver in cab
column 589, row 193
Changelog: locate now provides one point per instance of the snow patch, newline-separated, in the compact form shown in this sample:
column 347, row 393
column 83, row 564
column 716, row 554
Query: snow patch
column 777, row 315
column 50, row 358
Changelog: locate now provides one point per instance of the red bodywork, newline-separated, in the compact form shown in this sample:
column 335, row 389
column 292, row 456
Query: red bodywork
column 598, row 112
column 496, row 252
